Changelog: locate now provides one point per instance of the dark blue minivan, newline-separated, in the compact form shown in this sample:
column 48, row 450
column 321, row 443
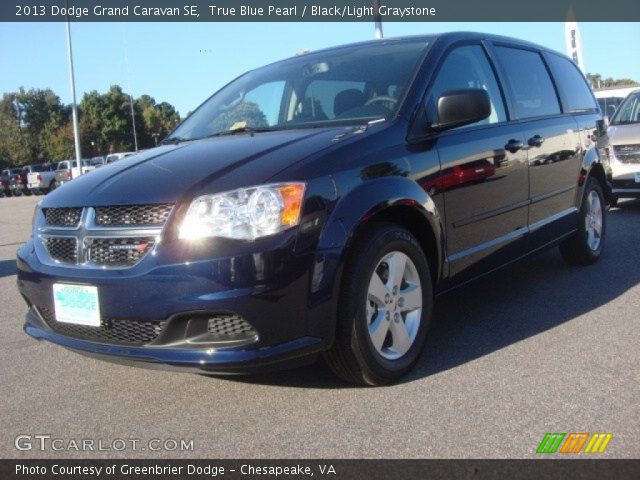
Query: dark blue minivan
column 318, row 205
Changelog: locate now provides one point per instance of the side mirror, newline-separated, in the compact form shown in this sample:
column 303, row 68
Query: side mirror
column 602, row 126
column 456, row 108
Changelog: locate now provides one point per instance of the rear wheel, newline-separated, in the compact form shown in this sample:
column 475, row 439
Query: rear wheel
column 385, row 308
column 17, row 192
column 586, row 245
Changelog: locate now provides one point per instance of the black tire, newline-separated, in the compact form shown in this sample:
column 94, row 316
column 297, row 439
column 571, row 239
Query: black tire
column 17, row 193
column 353, row 356
column 28, row 193
column 52, row 186
column 576, row 249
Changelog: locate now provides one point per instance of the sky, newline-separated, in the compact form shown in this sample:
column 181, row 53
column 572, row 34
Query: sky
column 184, row 63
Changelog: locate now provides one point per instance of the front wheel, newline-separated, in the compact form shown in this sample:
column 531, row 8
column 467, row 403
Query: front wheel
column 586, row 245
column 385, row 307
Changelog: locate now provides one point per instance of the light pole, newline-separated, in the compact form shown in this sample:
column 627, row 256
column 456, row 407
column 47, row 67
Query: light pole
column 74, row 109
column 133, row 120
column 377, row 18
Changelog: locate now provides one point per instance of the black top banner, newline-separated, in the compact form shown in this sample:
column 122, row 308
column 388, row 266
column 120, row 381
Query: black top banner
column 318, row 10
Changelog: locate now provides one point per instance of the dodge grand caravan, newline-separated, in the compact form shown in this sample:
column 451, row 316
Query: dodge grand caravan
column 318, row 205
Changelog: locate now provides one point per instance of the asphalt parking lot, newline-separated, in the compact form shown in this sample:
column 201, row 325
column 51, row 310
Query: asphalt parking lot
column 540, row 347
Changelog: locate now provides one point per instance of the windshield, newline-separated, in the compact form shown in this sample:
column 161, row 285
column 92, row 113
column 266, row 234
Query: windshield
column 344, row 85
column 629, row 111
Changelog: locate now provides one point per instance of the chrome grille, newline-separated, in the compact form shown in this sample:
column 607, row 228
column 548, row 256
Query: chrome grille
column 226, row 327
column 62, row 249
column 126, row 215
column 108, row 236
column 627, row 153
column 131, row 332
column 62, row 217
column 118, row 252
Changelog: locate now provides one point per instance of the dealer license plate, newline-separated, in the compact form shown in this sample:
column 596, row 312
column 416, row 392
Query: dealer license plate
column 77, row 304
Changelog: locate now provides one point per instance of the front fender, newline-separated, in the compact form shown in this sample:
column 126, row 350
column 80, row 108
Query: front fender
column 371, row 198
column 592, row 164
column 352, row 210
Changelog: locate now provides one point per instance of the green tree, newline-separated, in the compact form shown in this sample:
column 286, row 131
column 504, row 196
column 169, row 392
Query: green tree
column 35, row 126
column 13, row 142
column 596, row 81
column 157, row 120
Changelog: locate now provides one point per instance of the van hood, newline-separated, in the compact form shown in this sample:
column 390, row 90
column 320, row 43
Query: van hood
column 170, row 173
column 624, row 134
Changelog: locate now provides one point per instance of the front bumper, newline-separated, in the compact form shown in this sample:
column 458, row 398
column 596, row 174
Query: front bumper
column 623, row 179
column 203, row 360
column 269, row 289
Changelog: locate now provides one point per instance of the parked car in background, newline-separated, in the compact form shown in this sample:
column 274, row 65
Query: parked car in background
column 608, row 105
column 5, row 179
column 2, row 183
column 297, row 212
column 18, row 183
column 41, row 179
column 114, row 157
column 97, row 162
column 620, row 147
column 67, row 170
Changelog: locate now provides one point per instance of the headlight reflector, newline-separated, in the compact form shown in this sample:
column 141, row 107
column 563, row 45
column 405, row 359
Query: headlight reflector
column 246, row 213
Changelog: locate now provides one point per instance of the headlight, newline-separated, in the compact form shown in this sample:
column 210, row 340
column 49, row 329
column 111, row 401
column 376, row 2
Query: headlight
column 34, row 218
column 246, row 213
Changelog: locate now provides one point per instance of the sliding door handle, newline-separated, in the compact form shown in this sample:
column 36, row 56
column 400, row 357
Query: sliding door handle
column 536, row 141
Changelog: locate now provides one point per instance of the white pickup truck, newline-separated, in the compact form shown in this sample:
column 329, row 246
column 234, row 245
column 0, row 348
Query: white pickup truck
column 41, row 178
column 66, row 170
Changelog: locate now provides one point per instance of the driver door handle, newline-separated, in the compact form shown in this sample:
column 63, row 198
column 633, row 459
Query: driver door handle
column 513, row 145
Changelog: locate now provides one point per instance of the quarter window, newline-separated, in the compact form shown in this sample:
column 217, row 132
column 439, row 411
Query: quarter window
column 575, row 91
column 528, row 78
column 468, row 67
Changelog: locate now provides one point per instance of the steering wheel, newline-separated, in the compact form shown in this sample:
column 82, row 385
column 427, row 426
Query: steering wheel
column 381, row 98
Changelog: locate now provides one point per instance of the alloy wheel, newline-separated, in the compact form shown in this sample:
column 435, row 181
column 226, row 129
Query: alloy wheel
column 593, row 220
column 394, row 305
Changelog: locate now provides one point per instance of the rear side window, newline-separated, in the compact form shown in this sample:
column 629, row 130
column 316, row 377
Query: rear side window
column 573, row 87
column 531, row 86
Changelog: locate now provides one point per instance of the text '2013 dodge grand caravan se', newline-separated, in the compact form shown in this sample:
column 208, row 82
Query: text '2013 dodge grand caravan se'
column 318, row 205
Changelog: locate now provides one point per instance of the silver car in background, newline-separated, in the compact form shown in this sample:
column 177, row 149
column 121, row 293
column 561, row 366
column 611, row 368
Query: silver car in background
column 620, row 147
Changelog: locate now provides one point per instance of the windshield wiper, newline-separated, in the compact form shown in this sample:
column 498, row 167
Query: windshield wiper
column 235, row 131
column 174, row 140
